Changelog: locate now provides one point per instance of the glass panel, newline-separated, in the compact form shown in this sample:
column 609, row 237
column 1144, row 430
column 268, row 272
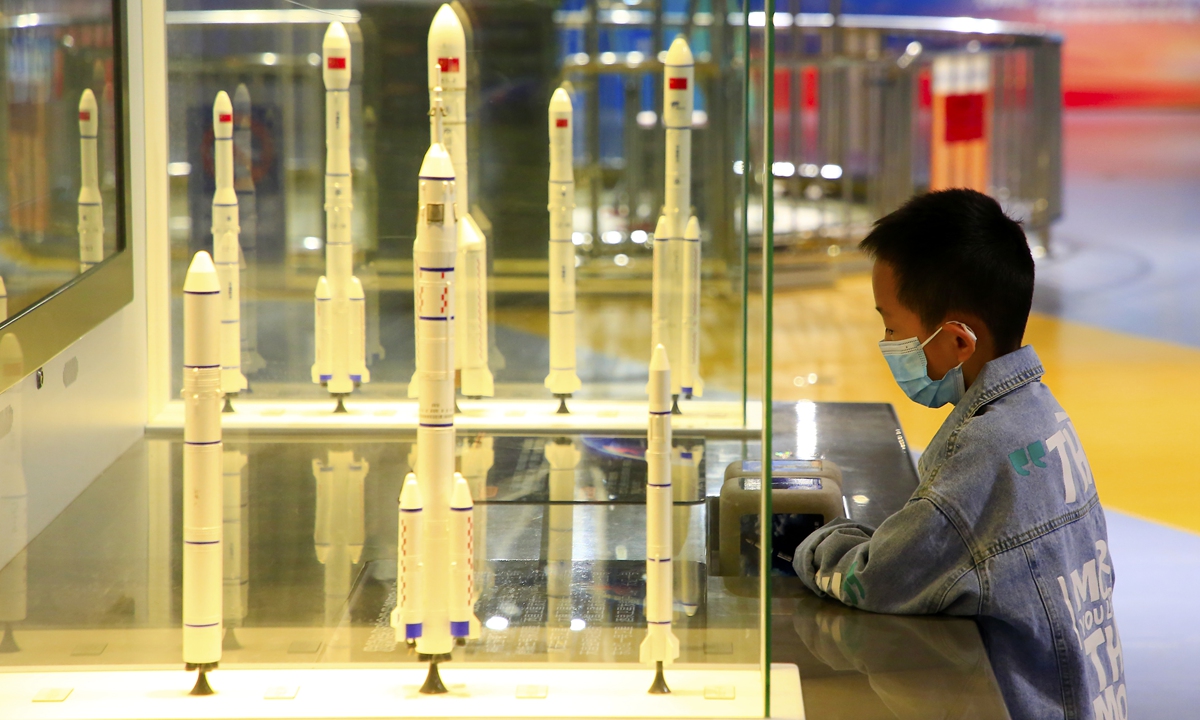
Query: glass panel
column 60, row 200
column 310, row 574
column 609, row 56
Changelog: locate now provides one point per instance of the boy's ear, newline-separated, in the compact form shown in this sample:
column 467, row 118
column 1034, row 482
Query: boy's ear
column 965, row 341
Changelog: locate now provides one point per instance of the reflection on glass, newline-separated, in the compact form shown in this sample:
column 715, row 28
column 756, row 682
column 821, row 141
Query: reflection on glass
column 563, row 457
column 235, row 544
column 58, row 144
column 14, row 505
column 913, row 665
column 338, row 536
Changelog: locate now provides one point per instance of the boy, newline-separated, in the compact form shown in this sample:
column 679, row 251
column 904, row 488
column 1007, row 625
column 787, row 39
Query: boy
column 1005, row 525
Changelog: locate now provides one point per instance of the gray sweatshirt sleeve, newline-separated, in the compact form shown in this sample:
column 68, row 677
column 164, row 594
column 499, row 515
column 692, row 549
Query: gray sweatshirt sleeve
column 914, row 563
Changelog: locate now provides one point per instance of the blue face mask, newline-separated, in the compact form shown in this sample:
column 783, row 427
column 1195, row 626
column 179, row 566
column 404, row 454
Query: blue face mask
column 907, row 360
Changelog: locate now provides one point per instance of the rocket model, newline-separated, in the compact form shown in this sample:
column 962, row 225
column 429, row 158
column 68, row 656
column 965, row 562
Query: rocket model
column 340, row 308
column 434, row 607
column 236, row 545
column 202, row 470
column 677, row 300
column 14, row 499
column 227, row 255
column 660, row 646
column 3, row 300
column 91, row 208
column 338, row 538
column 685, row 484
column 562, row 380
column 247, row 200
column 563, row 456
column 448, row 52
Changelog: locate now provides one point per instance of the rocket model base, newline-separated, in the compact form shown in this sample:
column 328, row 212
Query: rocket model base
column 8, row 642
column 675, row 405
column 341, row 402
column 228, row 408
column 660, row 683
column 202, row 687
column 433, row 681
column 562, row 403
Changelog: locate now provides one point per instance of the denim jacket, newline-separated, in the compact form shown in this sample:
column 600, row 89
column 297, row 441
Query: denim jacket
column 1006, row 527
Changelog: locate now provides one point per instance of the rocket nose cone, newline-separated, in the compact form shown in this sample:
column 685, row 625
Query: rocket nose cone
column 693, row 229
column 88, row 120
column 222, row 115
column 201, row 275
column 680, row 53
column 241, row 97
column 323, row 288
column 336, row 37
column 461, row 499
column 660, row 230
column 445, row 20
column 437, row 163
column 560, row 101
column 658, row 361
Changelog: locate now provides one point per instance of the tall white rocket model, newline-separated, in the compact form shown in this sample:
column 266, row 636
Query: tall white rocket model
column 340, row 304
column 660, row 646
column 434, row 585
column 675, row 318
column 14, row 496
column 227, row 254
column 448, row 52
column 562, row 380
column 202, row 470
column 91, row 208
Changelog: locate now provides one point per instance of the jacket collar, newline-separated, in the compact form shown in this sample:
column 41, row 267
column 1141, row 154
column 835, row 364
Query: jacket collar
column 999, row 377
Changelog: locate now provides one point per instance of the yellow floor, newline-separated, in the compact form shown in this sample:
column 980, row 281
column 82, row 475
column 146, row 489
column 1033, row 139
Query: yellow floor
column 1134, row 401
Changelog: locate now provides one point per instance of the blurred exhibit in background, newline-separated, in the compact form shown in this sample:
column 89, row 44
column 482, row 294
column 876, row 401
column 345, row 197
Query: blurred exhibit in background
column 1116, row 53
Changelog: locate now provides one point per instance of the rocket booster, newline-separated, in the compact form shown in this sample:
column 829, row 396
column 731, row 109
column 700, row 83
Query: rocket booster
column 91, row 208
column 661, row 283
column 202, row 464
column 227, row 254
column 448, row 54
column 341, row 326
column 678, row 98
column 407, row 617
column 660, row 645
column 562, row 379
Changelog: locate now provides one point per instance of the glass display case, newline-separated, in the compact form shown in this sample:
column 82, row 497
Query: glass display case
column 609, row 58
column 271, row 569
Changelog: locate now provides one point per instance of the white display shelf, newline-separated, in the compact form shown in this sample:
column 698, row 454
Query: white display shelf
column 598, row 416
column 509, row 691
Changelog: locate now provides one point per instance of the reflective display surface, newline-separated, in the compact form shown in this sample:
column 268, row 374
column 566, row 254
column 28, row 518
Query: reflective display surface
column 310, row 540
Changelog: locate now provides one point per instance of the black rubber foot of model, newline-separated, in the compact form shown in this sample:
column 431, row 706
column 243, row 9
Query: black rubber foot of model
column 202, row 687
column 562, row 405
column 230, row 641
column 675, row 405
column 341, row 406
column 8, row 643
column 228, row 402
column 660, row 683
column 433, row 682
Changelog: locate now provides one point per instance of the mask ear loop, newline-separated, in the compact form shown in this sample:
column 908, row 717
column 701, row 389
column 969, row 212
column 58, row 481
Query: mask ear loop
column 963, row 325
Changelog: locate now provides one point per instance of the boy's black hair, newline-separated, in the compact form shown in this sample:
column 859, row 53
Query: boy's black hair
column 956, row 250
